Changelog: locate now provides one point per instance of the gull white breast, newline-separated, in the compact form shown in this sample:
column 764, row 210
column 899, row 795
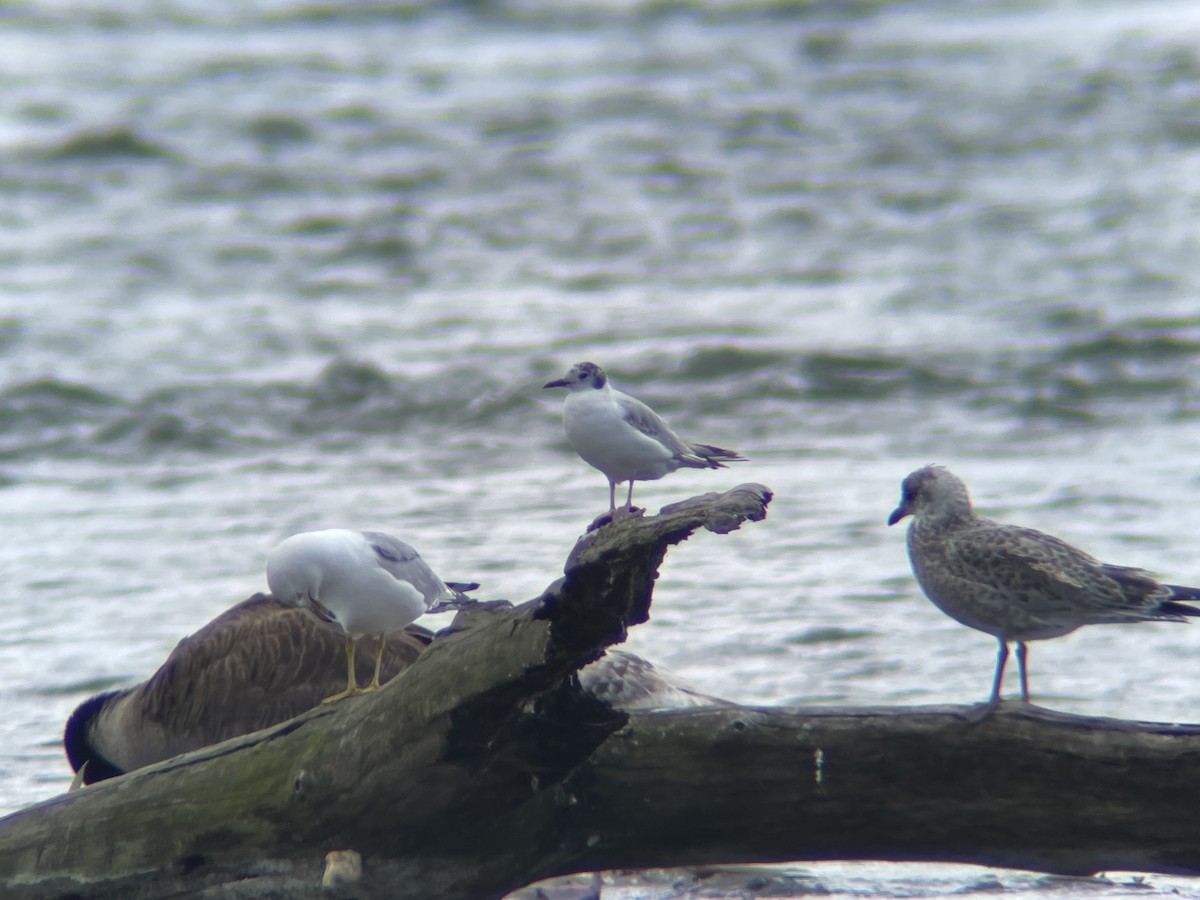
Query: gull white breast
column 623, row 437
column 359, row 582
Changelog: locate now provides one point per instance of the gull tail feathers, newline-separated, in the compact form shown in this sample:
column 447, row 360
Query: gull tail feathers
column 1140, row 585
column 710, row 457
column 1180, row 592
column 1171, row 608
column 1184, row 593
column 454, row 597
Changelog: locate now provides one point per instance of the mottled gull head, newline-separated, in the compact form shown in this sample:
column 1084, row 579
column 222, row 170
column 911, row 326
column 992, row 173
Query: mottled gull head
column 581, row 376
column 933, row 491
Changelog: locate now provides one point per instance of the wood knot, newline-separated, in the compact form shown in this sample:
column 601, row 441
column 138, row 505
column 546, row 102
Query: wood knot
column 302, row 783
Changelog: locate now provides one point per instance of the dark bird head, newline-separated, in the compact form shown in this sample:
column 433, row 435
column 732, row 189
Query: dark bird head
column 77, row 740
column 932, row 490
column 580, row 377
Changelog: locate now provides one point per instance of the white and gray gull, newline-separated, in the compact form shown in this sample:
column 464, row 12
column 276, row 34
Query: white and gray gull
column 1015, row 583
column 623, row 437
column 359, row 583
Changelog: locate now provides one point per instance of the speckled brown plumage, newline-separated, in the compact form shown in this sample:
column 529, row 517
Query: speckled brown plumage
column 259, row 663
column 1016, row 583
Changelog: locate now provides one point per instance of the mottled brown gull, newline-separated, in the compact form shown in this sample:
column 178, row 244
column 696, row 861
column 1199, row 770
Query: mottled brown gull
column 623, row 437
column 1015, row 583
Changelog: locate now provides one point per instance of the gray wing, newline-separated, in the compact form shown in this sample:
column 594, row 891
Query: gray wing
column 650, row 423
column 404, row 563
column 628, row 682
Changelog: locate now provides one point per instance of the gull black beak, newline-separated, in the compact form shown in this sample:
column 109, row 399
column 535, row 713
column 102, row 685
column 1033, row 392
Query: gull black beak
column 558, row 382
column 320, row 610
column 899, row 513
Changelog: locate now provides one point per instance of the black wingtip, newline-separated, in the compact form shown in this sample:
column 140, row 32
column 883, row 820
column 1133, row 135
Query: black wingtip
column 1186, row 594
column 1173, row 608
column 716, row 457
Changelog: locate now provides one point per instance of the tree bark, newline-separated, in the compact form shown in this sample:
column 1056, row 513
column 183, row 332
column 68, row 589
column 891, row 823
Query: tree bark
column 1023, row 787
column 484, row 767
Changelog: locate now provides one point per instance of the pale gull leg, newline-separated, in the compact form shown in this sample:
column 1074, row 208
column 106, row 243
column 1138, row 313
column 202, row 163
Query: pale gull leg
column 351, row 679
column 629, row 499
column 612, row 496
column 374, row 685
column 1022, row 656
column 1001, row 661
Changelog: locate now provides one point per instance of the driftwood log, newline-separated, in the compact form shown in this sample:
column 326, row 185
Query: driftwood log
column 484, row 767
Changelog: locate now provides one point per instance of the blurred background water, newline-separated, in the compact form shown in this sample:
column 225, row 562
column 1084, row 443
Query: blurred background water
column 275, row 265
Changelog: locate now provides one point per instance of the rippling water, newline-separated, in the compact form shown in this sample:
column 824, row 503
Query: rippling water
column 278, row 265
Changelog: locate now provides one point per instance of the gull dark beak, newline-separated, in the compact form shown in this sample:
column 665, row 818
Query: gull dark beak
column 322, row 612
column 899, row 513
column 558, row 382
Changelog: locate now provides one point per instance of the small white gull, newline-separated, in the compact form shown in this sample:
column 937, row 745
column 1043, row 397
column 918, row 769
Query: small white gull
column 1015, row 583
column 623, row 437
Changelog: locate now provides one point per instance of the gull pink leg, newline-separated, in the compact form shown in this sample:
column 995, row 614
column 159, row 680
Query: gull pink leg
column 1001, row 661
column 1022, row 656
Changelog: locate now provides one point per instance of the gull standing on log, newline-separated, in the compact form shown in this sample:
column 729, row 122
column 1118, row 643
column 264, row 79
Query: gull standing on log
column 623, row 437
column 360, row 582
column 1018, row 584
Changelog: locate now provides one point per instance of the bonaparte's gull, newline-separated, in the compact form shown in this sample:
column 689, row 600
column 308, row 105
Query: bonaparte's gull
column 1014, row 583
column 623, row 437
column 360, row 582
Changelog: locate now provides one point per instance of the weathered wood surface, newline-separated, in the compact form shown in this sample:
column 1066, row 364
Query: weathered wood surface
column 424, row 778
column 484, row 767
column 1024, row 787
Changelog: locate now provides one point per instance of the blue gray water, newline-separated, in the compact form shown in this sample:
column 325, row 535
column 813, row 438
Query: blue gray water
column 278, row 265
